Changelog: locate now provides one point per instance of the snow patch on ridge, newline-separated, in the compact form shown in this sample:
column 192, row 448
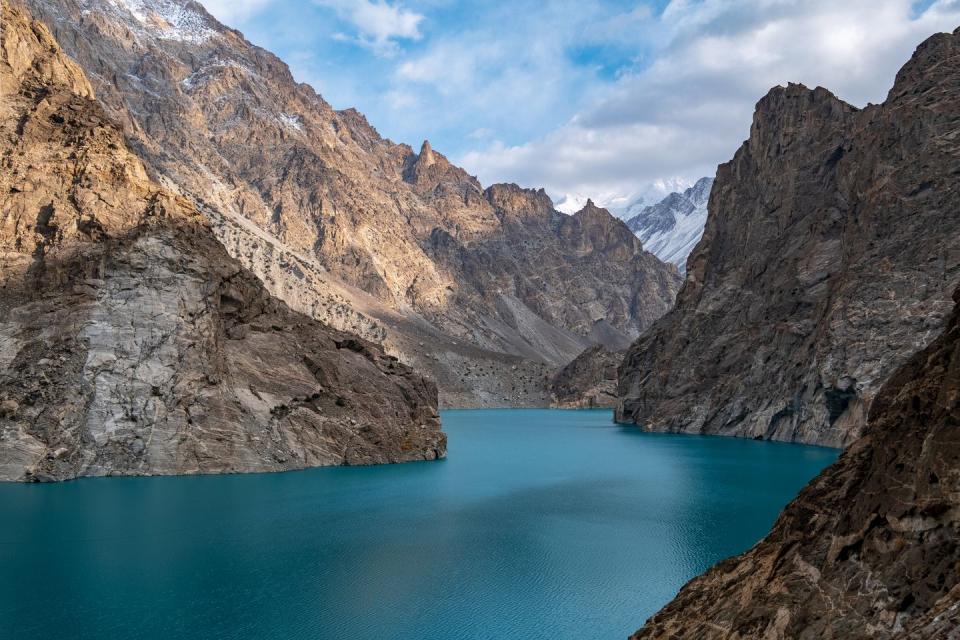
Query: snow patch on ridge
column 290, row 121
column 168, row 19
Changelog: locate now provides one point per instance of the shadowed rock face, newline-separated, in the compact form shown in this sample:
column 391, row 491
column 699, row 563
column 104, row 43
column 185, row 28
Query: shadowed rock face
column 590, row 380
column 830, row 252
column 131, row 342
column 870, row 548
column 403, row 248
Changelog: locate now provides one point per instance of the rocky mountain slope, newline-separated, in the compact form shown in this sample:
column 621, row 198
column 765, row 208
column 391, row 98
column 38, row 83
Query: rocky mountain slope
column 131, row 342
column 487, row 290
column 829, row 256
column 671, row 228
column 870, row 548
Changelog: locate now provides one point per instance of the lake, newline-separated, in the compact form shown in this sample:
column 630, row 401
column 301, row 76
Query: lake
column 540, row 524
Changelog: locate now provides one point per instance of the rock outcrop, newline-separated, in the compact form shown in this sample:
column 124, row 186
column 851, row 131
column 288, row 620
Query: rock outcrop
column 589, row 381
column 671, row 228
column 870, row 548
column 131, row 342
column 830, row 252
column 370, row 236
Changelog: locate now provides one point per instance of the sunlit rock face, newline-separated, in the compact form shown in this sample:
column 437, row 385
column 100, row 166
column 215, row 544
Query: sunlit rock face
column 486, row 290
column 830, row 254
column 131, row 343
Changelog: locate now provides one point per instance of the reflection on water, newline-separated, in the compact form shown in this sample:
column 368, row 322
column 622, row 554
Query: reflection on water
column 540, row 524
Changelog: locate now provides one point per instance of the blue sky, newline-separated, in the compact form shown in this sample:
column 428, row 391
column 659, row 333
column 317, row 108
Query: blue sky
column 610, row 99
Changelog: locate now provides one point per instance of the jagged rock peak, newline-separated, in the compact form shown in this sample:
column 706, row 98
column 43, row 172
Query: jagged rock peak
column 373, row 228
column 591, row 210
column 425, row 157
column 511, row 201
column 671, row 228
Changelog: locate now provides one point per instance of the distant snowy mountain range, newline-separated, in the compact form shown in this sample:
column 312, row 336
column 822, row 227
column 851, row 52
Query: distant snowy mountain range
column 621, row 205
column 671, row 228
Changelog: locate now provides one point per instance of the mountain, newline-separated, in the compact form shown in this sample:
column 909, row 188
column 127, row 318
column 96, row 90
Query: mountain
column 486, row 290
column 131, row 343
column 869, row 548
column 671, row 228
column 830, row 254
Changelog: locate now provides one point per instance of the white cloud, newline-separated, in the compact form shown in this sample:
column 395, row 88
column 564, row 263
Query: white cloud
column 506, row 74
column 379, row 24
column 689, row 110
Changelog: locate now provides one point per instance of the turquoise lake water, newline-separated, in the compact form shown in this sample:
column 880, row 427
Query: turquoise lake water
column 540, row 524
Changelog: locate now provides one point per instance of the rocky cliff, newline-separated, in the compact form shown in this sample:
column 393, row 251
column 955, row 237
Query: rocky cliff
column 870, row 548
column 131, row 342
column 590, row 380
column 830, row 252
column 487, row 290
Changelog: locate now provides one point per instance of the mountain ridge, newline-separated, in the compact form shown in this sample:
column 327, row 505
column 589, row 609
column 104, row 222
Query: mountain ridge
column 429, row 249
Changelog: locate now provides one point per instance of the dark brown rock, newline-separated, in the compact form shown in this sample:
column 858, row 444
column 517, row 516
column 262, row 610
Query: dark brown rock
column 870, row 549
column 831, row 248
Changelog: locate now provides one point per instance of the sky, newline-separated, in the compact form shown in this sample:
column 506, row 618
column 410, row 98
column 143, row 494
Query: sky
column 610, row 99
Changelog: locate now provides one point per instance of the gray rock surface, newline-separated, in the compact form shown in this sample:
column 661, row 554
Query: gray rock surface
column 131, row 342
column 870, row 548
column 830, row 252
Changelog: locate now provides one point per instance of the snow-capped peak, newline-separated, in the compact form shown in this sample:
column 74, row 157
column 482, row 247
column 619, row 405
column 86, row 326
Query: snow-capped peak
column 671, row 228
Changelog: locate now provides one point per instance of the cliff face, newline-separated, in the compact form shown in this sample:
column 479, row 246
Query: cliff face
column 830, row 252
column 870, row 548
column 370, row 236
column 131, row 342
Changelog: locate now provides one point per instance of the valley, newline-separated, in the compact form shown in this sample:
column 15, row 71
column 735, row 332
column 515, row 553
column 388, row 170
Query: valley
column 206, row 269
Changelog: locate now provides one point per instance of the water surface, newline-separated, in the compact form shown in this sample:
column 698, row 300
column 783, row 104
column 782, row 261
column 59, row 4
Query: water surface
column 540, row 524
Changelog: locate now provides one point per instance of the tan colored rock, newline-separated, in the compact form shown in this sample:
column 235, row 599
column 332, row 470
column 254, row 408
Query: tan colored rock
column 131, row 342
column 353, row 229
